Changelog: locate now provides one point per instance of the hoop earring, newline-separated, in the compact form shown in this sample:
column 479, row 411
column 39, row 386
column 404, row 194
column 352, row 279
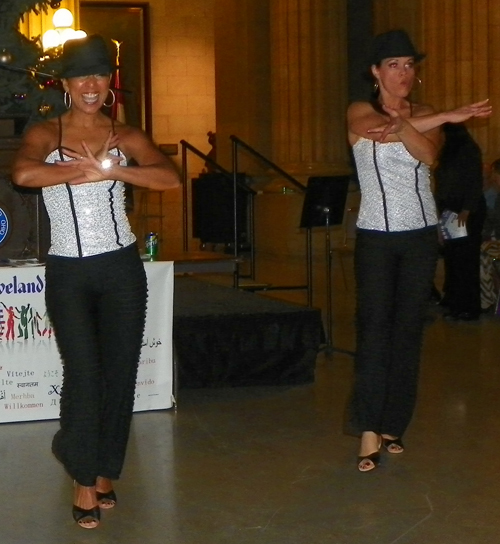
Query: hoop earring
column 375, row 87
column 67, row 100
column 114, row 99
column 419, row 81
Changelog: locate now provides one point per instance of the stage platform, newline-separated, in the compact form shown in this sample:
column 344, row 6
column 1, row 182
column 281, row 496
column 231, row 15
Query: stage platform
column 202, row 262
column 227, row 337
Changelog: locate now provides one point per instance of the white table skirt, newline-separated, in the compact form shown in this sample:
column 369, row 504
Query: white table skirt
column 30, row 365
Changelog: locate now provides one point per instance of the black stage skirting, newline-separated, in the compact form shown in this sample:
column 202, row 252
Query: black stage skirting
column 226, row 337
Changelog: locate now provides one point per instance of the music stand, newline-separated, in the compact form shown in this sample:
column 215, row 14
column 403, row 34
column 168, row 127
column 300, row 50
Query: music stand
column 324, row 205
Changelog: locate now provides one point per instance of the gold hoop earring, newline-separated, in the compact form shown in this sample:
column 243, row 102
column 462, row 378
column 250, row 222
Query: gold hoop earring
column 67, row 100
column 114, row 99
column 419, row 81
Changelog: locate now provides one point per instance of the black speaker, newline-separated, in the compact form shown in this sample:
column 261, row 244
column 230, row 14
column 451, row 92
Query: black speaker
column 24, row 223
column 213, row 209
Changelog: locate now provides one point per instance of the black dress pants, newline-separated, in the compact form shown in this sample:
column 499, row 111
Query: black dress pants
column 394, row 275
column 97, row 306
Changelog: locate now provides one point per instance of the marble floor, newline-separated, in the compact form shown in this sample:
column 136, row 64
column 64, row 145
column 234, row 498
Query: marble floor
column 271, row 465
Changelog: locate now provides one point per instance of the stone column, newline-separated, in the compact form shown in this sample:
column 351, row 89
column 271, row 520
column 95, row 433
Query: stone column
column 462, row 62
column 281, row 85
column 242, row 79
column 309, row 86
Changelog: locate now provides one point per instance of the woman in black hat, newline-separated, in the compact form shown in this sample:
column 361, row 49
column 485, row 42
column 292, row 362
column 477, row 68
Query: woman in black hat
column 394, row 142
column 96, row 287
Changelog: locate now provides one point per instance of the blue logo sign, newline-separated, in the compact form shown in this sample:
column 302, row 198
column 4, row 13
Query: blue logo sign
column 4, row 225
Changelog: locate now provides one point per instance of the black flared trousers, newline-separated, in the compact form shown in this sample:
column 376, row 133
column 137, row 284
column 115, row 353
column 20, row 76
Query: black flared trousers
column 394, row 275
column 97, row 306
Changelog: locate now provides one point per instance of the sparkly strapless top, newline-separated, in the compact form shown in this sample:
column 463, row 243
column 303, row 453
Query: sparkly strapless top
column 395, row 188
column 87, row 219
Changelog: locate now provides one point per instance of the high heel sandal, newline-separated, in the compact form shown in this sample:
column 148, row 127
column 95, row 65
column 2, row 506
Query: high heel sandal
column 91, row 517
column 106, row 500
column 86, row 518
column 393, row 445
column 370, row 461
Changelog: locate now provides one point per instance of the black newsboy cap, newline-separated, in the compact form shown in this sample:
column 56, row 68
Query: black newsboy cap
column 85, row 57
column 395, row 43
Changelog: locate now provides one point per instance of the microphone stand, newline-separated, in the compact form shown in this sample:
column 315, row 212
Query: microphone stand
column 328, row 348
column 324, row 205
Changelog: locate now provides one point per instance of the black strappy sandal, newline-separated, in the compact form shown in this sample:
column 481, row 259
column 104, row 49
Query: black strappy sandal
column 394, row 445
column 91, row 516
column 106, row 500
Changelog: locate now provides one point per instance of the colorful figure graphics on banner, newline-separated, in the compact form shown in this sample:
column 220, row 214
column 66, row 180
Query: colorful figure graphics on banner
column 22, row 327
column 47, row 326
column 10, row 322
column 26, row 319
column 35, row 320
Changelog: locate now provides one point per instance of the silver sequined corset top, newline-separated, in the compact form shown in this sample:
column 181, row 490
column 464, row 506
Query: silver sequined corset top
column 87, row 219
column 395, row 188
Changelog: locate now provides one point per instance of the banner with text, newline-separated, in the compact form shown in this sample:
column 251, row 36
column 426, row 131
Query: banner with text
column 30, row 366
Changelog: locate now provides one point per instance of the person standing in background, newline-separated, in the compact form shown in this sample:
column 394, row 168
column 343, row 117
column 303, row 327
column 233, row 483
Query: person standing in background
column 459, row 188
column 490, row 247
column 491, row 190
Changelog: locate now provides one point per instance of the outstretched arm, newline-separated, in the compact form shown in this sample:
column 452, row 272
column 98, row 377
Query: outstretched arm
column 424, row 123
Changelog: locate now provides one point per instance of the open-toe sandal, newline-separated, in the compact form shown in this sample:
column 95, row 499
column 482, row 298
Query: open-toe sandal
column 106, row 500
column 394, row 445
column 88, row 519
column 368, row 462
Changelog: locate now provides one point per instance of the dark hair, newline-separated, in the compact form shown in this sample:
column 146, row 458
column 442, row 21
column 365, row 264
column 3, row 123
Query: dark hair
column 459, row 170
column 495, row 166
column 460, row 155
column 457, row 137
column 376, row 105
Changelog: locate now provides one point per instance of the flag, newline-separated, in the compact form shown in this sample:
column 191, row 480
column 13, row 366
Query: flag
column 118, row 108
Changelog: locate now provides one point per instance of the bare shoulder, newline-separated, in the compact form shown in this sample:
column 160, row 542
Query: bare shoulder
column 131, row 135
column 422, row 109
column 43, row 136
column 361, row 117
column 43, row 129
column 357, row 109
column 138, row 145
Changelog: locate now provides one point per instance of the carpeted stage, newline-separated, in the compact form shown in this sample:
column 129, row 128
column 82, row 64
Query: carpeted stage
column 227, row 337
